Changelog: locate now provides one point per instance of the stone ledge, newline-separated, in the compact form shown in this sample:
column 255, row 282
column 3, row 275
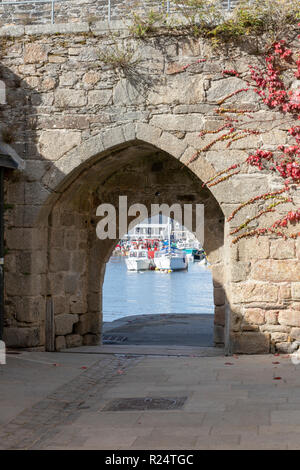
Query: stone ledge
column 63, row 28
column 57, row 28
column 113, row 25
column 13, row 31
column 45, row 29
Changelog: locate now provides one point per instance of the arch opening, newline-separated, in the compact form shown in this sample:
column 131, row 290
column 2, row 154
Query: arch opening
column 77, row 258
column 157, row 306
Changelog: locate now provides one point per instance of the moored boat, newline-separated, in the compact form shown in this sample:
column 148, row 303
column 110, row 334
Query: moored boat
column 138, row 260
column 199, row 256
column 170, row 259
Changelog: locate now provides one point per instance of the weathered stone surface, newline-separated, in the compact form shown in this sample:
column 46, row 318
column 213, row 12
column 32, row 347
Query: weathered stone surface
column 271, row 316
column 94, row 302
column 91, row 78
column 180, row 91
column 21, row 337
column 171, row 144
column 91, row 340
column 29, row 309
column 35, row 54
column 219, row 296
column 73, row 341
column 35, row 170
column 59, row 304
column 276, row 270
column 295, row 333
column 250, row 343
column 20, row 238
column 89, row 54
column 54, row 144
column 68, row 79
column 255, row 316
column 274, row 137
column 239, row 271
column 246, row 327
column 48, row 84
column 241, row 188
column 254, row 292
column 88, row 323
column 253, row 248
column 222, row 88
column 296, row 290
column 289, row 317
column 178, row 122
column 279, row 250
column 36, row 193
column 62, row 28
column 71, row 283
column 127, row 94
column 56, row 59
column 25, row 284
column 64, row 323
column 60, row 343
column 65, row 98
column 229, row 157
column 99, row 97
column 114, row 137
column 219, row 334
column 275, row 328
column 219, row 315
column 65, row 121
column 78, row 305
column 60, row 261
column 218, row 275
column 279, row 337
column 285, row 292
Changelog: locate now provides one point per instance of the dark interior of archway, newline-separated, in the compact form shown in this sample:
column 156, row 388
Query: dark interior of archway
column 145, row 175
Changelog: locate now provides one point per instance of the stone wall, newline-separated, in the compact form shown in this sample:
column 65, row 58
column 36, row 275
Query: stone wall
column 91, row 131
column 80, row 10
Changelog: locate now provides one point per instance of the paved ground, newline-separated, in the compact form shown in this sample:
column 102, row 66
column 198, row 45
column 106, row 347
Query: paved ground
column 249, row 402
column 183, row 329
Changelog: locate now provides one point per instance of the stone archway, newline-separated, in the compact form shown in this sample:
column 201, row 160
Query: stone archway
column 131, row 161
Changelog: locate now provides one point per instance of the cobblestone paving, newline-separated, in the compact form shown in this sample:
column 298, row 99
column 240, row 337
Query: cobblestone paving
column 31, row 428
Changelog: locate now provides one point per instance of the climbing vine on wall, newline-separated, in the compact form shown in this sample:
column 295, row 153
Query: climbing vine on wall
column 280, row 95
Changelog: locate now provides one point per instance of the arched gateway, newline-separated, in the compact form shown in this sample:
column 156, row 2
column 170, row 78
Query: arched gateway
column 88, row 135
column 130, row 161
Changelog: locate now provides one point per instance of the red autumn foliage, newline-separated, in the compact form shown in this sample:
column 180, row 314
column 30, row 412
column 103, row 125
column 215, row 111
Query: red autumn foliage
column 268, row 82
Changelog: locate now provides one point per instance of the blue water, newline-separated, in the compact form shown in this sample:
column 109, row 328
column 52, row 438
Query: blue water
column 152, row 292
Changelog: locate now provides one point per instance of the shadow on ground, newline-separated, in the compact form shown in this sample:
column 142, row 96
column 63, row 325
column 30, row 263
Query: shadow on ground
column 164, row 329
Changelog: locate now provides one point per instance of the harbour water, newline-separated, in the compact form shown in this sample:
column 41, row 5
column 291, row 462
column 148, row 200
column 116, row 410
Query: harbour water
column 151, row 292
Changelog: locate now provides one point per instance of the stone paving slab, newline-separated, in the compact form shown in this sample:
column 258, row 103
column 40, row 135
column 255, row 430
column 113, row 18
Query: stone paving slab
column 18, row 379
column 225, row 407
column 153, row 350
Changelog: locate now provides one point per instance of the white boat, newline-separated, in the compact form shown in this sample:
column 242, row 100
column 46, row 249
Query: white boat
column 138, row 260
column 170, row 260
column 200, row 257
